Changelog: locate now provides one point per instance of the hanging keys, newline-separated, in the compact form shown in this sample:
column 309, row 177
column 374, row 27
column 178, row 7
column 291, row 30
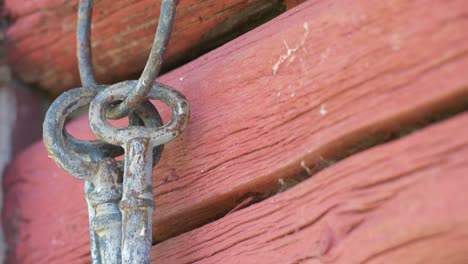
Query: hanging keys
column 119, row 216
column 93, row 162
column 137, row 200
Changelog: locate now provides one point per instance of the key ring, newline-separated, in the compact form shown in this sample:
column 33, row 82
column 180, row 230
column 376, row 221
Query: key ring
column 82, row 158
column 117, row 136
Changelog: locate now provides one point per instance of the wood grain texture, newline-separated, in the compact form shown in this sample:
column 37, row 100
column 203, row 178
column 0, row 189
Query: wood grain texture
column 279, row 101
column 42, row 44
column 402, row 202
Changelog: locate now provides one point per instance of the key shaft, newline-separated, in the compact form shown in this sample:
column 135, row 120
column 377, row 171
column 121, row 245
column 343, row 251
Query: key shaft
column 137, row 201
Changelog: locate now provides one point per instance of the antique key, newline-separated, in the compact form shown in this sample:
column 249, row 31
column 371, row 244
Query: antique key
column 138, row 141
column 93, row 162
column 89, row 161
column 119, row 217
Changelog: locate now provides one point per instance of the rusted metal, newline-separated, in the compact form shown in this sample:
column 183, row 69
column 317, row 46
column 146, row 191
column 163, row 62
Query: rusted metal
column 118, row 136
column 83, row 40
column 87, row 165
column 119, row 214
column 93, row 161
column 137, row 200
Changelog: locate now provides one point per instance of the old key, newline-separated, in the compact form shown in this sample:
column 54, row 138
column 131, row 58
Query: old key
column 93, row 162
column 138, row 142
column 119, row 218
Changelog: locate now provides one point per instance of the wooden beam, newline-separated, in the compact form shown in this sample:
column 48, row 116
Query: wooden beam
column 403, row 202
column 293, row 3
column 42, row 44
column 283, row 100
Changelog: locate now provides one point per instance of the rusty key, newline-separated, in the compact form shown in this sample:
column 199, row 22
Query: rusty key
column 93, row 162
column 138, row 142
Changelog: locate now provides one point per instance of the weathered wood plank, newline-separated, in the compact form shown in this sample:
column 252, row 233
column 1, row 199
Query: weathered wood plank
column 275, row 102
column 42, row 38
column 402, row 202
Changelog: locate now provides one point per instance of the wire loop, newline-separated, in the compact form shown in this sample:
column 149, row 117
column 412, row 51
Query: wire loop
column 153, row 64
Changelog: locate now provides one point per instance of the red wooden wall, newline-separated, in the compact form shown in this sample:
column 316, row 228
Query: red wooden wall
column 297, row 149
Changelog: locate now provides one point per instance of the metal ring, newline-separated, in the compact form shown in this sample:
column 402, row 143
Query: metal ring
column 83, row 158
column 118, row 136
